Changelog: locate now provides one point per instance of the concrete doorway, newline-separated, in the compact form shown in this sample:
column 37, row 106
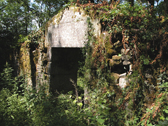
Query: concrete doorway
column 64, row 66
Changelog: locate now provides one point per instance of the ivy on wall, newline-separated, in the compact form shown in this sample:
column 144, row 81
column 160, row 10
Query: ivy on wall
column 145, row 34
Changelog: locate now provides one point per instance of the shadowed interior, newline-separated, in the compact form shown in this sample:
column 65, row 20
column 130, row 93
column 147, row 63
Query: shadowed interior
column 64, row 67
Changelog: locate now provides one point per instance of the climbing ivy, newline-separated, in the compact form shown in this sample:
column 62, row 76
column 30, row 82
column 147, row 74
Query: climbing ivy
column 144, row 32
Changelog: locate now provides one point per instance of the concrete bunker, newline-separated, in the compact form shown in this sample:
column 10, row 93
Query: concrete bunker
column 54, row 62
column 65, row 35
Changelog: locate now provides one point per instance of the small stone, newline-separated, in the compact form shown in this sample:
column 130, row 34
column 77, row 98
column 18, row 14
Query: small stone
column 122, row 82
column 116, row 58
column 125, row 62
column 124, row 51
column 123, row 74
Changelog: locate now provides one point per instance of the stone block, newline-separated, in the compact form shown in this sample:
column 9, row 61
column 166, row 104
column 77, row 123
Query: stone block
column 124, row 51
column 116, row 60
column 123, row 80
column 126, row 62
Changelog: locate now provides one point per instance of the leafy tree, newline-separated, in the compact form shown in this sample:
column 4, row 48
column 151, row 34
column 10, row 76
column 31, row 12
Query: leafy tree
column 17, row 18
column 166, row 6
column 14, row 22
column 45, row 9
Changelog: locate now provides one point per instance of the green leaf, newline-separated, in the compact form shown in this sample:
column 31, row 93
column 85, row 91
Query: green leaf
column 146, row 61
column 166, row 111
column 66, row 111
column 101, row 121
column 80, row 104
column 12, row 117
column 162, row 118
column 149, row 124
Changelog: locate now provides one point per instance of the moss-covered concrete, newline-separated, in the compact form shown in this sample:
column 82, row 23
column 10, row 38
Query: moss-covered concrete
column 35, row 54
column 24, row 59
column 36, row 57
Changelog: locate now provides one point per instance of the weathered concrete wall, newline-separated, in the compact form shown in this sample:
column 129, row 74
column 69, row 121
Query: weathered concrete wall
column 33, row 62
column 25, row 65
column 65, row 34
column 69, row 28
column 54, row 61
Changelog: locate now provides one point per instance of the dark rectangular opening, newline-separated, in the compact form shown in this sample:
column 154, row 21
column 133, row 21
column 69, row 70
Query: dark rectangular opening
column 64, row 67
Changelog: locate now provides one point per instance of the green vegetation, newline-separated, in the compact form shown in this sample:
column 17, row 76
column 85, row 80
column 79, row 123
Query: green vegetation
column 144, row 102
